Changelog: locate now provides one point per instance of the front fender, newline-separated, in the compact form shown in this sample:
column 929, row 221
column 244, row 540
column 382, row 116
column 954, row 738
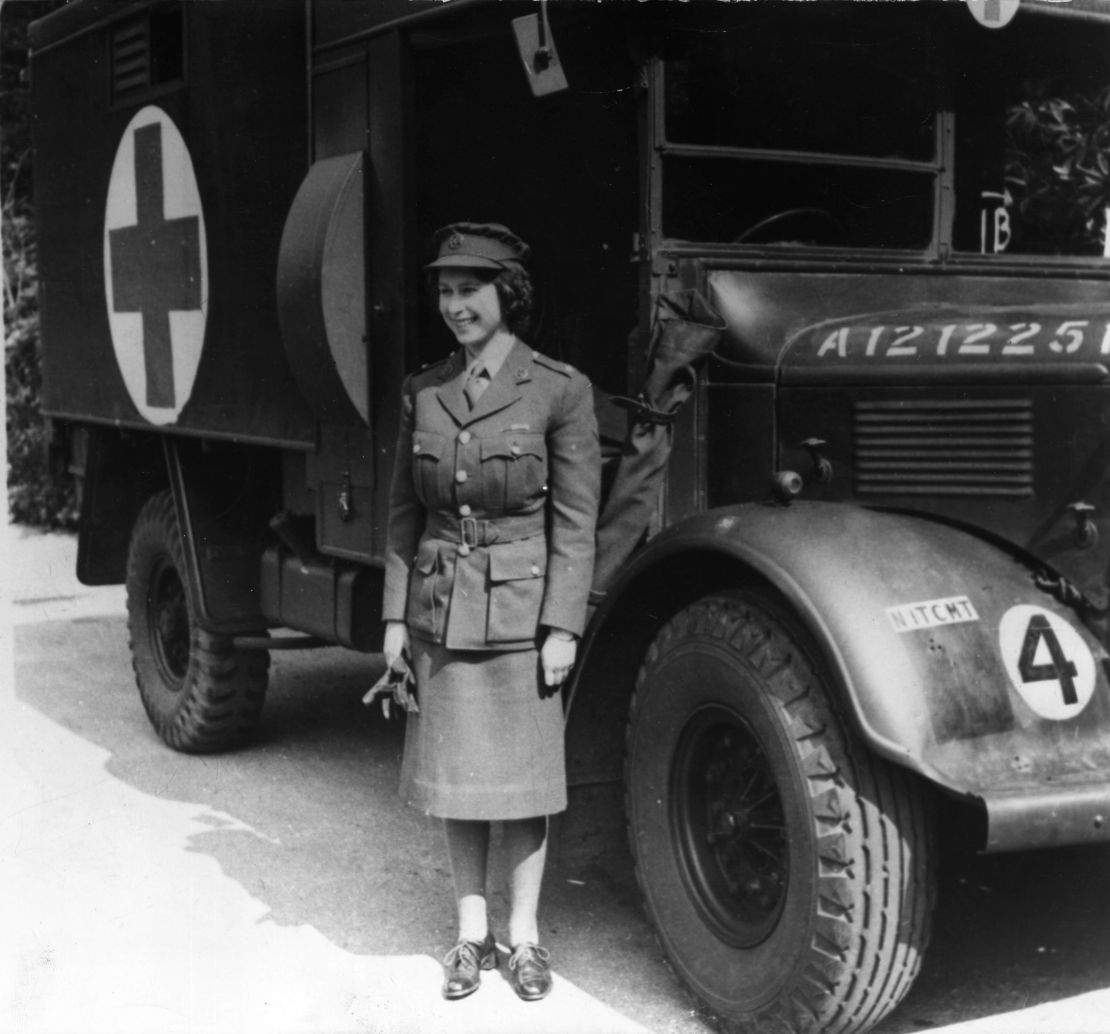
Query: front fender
column 949, row 658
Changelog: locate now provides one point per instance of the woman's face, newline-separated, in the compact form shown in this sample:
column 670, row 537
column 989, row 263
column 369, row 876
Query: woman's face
column 470, row 306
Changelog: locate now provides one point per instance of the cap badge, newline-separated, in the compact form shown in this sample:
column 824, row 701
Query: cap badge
column 454, row 242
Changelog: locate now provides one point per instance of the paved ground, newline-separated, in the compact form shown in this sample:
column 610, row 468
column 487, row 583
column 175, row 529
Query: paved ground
column 145, row 891
column 150, row 892
column 42, row 584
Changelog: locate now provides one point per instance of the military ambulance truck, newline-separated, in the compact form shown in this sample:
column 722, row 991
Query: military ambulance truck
column 869, row 598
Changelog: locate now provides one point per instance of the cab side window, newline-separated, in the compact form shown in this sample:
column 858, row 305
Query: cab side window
column 826, row 137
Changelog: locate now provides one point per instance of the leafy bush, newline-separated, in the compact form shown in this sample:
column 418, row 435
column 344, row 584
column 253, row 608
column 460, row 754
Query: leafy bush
column 1058, row 172
column 34, row 495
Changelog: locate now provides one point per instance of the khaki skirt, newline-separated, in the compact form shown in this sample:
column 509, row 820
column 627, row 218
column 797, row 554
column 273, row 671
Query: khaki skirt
column 488, row 741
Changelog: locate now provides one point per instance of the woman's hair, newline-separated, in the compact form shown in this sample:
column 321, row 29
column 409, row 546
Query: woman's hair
column 514, row 292
column 514, row 289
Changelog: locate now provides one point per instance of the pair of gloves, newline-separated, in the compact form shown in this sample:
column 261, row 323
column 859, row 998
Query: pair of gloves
column 397, row 686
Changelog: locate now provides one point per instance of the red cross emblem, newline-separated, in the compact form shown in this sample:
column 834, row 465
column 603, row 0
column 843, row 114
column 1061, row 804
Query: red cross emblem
column 155, row 265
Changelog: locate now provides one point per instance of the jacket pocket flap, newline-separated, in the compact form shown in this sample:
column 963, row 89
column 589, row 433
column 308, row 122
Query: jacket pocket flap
column 427, row 443
column 510, row 446
column 427, row 554
column 512, row 561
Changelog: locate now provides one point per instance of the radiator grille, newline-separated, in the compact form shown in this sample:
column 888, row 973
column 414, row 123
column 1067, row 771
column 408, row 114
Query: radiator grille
column 131, row 66
column 944, row 447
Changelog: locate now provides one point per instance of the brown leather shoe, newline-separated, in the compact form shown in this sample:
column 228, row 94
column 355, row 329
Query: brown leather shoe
column 463, row 965
column 530, row 972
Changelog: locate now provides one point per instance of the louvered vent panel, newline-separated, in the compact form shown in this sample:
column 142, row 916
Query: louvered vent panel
column 944, row 447
column 131, row 58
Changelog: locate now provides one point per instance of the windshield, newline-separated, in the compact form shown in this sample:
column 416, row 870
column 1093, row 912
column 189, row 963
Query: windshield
column 837, row 124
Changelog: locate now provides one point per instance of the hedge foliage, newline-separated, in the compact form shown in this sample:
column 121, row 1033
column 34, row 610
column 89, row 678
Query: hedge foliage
column 1058, row 171
column 34, row 495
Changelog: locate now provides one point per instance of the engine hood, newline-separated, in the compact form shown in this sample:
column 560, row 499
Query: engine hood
column 844, row 326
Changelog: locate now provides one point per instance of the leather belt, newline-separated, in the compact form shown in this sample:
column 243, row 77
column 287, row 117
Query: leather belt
column 473, row 531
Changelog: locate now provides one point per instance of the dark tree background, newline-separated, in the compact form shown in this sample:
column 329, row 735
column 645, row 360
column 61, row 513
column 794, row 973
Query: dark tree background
column 34, row 497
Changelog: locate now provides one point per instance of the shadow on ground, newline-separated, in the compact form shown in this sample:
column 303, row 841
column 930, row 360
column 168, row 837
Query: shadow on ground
column 328, row 843
column 1013, row 931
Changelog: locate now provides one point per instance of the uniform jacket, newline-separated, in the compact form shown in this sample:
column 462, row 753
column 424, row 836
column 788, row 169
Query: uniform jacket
column 493, row 510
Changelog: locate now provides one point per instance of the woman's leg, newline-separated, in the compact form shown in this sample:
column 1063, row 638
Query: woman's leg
column 526, row 847
column 468, row 850
column 526, row 851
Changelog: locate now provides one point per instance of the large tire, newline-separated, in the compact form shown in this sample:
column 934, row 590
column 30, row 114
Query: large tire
column 200, row 691
column 786, row 869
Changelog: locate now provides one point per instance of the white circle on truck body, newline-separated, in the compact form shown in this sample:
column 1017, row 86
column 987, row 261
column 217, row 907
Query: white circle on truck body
column 994, row 14
column 1048, row 662
column 155, row 266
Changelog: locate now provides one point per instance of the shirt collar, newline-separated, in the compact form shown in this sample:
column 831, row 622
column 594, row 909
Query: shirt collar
column 492, row 357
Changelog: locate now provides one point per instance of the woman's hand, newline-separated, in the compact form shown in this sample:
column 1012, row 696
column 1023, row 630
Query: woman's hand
column 396, row 646
column 557, row 657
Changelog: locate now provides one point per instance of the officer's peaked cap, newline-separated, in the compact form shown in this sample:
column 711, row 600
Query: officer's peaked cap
column 478, row 246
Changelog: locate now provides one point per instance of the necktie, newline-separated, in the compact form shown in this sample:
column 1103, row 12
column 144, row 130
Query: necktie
column 476, row 383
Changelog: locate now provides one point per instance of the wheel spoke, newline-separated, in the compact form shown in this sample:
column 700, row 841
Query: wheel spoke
column 769, row 798
column 777, row 827
column 755, row 845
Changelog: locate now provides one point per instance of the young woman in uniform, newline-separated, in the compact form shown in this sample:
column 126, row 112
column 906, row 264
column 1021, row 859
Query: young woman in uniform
column 489, row 556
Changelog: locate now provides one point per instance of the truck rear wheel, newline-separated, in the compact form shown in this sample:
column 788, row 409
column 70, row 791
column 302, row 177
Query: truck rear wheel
column 787, row 871
column 200, row 691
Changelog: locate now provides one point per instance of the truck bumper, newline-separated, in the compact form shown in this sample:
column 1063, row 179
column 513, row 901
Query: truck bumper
column 1047, row 817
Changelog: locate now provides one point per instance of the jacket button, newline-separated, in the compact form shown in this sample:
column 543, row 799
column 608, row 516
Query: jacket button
column 535, row 569
column 464, row 437
column 515, row 450
column 464, row 549
column 464, row 510
column 416, row 448
column 460, row 476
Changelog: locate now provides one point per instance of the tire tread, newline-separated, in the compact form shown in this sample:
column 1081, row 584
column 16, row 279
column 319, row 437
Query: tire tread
column 224, row 688
column 875, row 894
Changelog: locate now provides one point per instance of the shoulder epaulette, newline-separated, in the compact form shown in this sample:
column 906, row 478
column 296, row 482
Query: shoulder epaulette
column 432, row 365
column 552, row 364
column 425, row 375
column 440, row 368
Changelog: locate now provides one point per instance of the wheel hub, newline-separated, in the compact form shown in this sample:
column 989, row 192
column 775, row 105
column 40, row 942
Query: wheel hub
column 169, row 622
column 729, row 823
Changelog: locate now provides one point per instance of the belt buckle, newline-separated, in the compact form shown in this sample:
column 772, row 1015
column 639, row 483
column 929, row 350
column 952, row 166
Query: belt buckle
column 468, row 532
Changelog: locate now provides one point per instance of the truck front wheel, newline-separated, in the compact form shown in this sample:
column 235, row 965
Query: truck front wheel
column 199, row 690
column 787, row 871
